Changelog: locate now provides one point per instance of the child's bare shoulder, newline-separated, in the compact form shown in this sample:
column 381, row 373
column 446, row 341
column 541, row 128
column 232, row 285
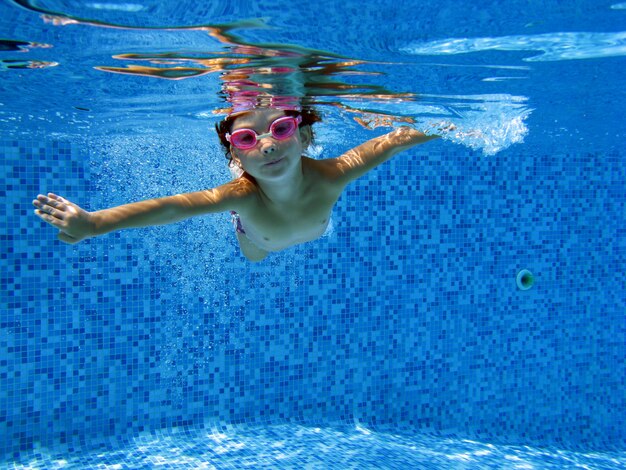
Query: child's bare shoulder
column 237, row 194
column 245, row 188
column 328, row 171
column 325, row 168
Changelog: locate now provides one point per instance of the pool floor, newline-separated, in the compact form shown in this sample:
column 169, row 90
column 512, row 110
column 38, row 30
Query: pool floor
column 309, row 447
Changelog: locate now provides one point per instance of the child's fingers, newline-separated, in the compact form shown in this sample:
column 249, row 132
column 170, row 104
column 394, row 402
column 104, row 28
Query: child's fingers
column 66, row 204
column 58, row 223
column 43, row 208
column 56, row 197
column 43, row 202
column 59, row 198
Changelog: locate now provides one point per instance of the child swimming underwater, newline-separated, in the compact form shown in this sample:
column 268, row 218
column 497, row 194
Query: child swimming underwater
column 281, row 199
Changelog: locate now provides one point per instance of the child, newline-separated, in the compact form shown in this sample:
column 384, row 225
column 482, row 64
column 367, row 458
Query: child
column 282, row 198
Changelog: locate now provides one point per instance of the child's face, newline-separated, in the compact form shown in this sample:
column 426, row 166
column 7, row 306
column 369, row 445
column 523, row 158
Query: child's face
column 270, row 158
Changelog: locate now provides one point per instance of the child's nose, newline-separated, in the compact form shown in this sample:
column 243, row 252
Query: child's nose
column 268, row 147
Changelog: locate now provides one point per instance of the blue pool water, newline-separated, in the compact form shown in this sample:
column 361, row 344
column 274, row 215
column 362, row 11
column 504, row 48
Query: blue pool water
column 399, row 340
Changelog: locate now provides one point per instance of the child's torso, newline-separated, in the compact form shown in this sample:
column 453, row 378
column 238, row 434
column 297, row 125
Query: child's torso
column 276, row 227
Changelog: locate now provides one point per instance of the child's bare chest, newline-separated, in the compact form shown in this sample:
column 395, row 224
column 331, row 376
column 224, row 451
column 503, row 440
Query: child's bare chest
column 277, row 228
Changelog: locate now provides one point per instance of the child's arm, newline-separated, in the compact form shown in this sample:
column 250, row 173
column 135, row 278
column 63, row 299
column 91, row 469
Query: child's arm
column 358, row 161
column 76, row 224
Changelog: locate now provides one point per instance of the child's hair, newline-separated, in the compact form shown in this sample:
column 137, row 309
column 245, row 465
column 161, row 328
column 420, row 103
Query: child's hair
column 309, row 117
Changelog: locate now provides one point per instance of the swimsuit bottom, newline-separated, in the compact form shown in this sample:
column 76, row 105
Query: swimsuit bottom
column 236, row 221
column 234, row 217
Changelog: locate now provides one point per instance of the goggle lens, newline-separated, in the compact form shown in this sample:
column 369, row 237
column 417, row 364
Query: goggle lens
column 245, row 139
column 281, row 129
column 284, row 129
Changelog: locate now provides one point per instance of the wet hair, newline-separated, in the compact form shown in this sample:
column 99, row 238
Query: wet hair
column 309, row 117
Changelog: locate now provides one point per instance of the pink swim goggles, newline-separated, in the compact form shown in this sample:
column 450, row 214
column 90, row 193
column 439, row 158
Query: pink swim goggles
column 281, row 129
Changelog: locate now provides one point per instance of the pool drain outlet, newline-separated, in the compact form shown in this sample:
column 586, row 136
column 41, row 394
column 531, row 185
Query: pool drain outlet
column 525, row 279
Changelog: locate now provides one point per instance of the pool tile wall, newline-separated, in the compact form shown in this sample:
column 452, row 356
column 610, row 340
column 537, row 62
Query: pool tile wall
column 406, row 316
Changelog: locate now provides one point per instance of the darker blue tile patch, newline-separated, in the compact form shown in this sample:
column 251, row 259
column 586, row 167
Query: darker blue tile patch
column 407, row 315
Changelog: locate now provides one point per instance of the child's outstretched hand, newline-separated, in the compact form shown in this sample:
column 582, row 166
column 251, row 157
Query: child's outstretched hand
column 74, row 223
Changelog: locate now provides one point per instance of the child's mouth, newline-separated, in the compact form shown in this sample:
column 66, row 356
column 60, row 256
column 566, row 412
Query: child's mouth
column 274, row 162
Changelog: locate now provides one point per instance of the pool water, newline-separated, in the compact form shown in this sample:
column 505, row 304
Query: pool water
column 401, row 339
column 298, row 446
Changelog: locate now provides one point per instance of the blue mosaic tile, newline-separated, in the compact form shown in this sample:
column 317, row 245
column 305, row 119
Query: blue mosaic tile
column 407, row 315
column 290, row 446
